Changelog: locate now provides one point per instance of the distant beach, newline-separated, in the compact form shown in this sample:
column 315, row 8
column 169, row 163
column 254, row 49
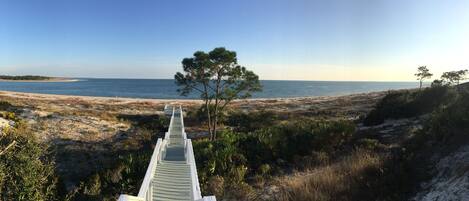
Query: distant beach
column 52, row 79
column 167, row 89
column 349, row 106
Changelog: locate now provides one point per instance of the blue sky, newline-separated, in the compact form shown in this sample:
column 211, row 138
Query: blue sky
column 278, row 39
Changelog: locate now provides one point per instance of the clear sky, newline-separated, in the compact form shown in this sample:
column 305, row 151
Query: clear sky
column 278, row 39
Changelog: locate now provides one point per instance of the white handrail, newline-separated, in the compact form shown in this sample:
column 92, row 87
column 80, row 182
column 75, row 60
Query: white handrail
column 158, row 154
column 129, row 198
column 183, row 132
column 168, row 134
column 190, row 159
column 208, row 198
column 150, row 170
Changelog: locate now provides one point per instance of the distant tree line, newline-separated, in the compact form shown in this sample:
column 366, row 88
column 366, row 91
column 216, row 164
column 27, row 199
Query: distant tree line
column 24, row 77
column 447, row 78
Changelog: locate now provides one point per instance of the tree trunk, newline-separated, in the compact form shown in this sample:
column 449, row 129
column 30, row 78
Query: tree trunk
column 209, row 122
column 420, row 84
column 217, row 102
column 215, row 122
column 207, row 108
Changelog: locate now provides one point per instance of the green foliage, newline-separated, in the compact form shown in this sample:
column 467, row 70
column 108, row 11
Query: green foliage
column 216, row 75
column 404, row 104
column 422, row 74
column 300, row 138
column 201, row 114
column 264, row 169
column 218, row 157
column 218, row 78
column 126, row 176
column 235, row 156
column 4, row 105
column 451, row 121
column 446, row 130
column 437, row 83
column 246, row 122
column 26, row 169
column 454, row 77
column 369, row 144
column 10, row 116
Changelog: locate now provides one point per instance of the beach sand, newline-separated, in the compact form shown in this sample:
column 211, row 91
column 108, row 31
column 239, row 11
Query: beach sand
column 100, row 115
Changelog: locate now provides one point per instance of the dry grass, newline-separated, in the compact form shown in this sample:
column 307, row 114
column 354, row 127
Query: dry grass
column 345, row 180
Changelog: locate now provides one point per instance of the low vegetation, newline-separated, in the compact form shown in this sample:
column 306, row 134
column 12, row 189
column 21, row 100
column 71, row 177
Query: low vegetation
column 127, row 169
column 313, row 159
column 27, row 170
column 355, row 176
column 258, row 149
column 409, row 103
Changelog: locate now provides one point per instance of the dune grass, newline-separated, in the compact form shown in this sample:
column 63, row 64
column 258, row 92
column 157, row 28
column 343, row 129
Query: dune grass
column 345, row 180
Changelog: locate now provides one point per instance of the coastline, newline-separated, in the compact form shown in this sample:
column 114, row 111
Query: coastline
column 346, row 106
column 44, row 96
column 41, row 96
column 57, row 79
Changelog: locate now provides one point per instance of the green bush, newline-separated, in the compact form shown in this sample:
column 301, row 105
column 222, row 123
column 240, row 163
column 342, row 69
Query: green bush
column 10, row 116
column 369, row 144
column 451, row 121
column 126, row 176
column 407, row 103
column 236, row 156
column 4, row 105
column 27, row 171
column 248, row 122
column 297, row 138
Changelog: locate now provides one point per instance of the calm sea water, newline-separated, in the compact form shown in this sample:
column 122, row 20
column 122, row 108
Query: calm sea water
column 166, row 89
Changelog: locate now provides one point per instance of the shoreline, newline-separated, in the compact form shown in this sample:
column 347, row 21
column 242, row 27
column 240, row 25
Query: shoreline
column 45, row 96
column 48, row 80
column 343, row 105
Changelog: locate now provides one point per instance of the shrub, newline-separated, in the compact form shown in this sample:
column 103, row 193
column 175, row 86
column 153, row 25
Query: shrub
column 234, row 156
column 404, row 104
column 4, row 105
column 264, row 169
column 10, row 116
column 451, row 121
column 26, row 169
column 249, row 122
column 298, row 138
column 126, row 176
column 369, row 144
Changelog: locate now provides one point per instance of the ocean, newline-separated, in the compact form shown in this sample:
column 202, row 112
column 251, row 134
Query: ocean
column 167, row 89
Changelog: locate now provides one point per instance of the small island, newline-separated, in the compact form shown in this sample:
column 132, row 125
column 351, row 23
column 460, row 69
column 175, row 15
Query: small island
column 33, row 78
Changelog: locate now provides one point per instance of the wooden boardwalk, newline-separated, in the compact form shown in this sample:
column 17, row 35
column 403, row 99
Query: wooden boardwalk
column 172, row 172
